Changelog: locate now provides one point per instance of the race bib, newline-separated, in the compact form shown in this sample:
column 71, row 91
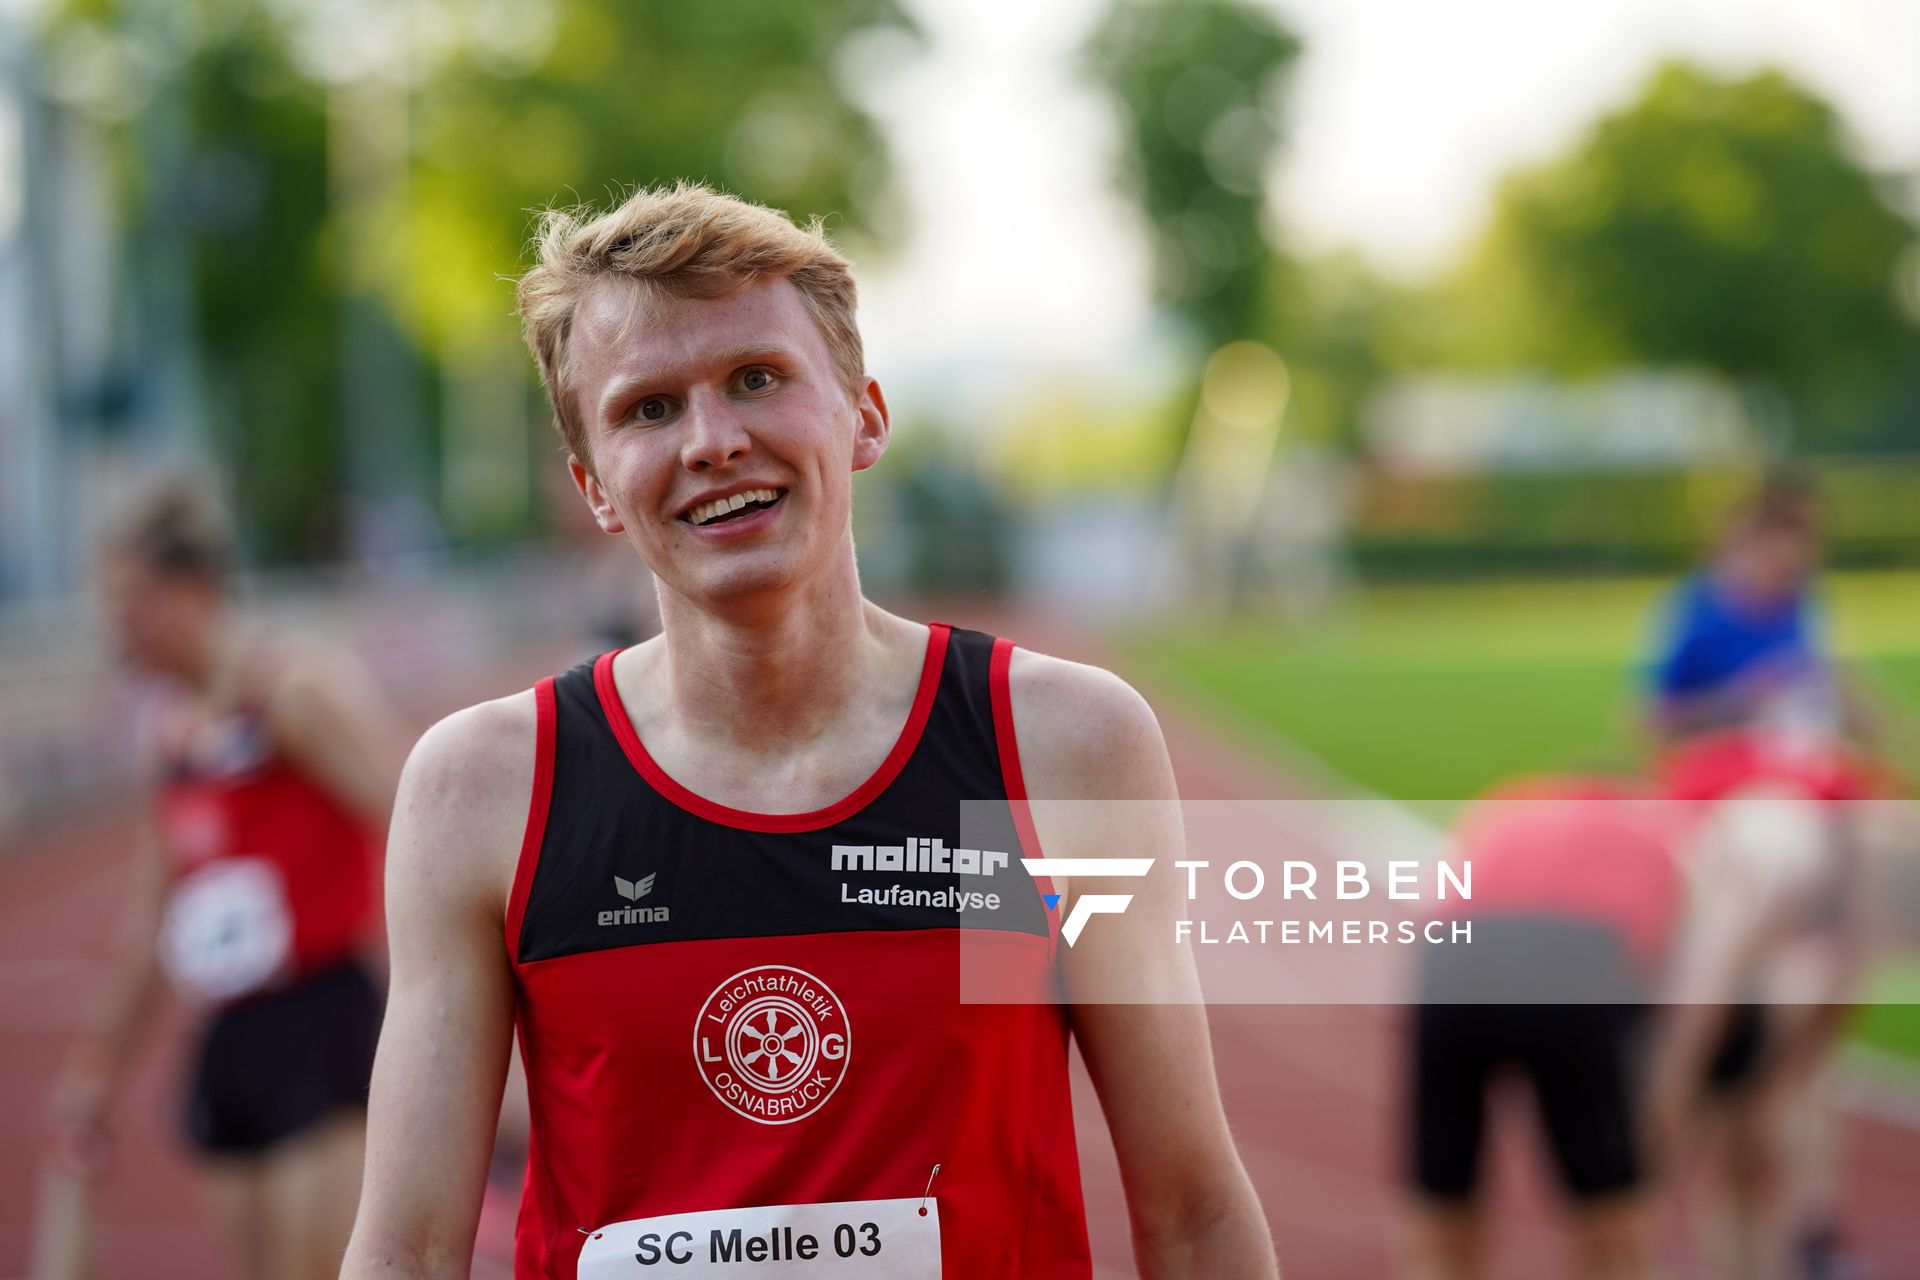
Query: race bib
column 897, row 1239
column 228, row 929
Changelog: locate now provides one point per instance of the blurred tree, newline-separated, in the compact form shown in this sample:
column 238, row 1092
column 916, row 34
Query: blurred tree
column 1197, row 84
column 755, row 96
column 1068, row 440
column 1714, row 221
column 353, row 182
column 217, row 151
column 1343, row 328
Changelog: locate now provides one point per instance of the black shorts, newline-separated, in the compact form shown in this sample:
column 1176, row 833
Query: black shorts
column 1580, row 1055
column 277, row 1063
column 1740, row 1057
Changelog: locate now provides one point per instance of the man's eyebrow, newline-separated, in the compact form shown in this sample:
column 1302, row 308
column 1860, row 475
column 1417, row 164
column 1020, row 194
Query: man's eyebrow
column 630, row 385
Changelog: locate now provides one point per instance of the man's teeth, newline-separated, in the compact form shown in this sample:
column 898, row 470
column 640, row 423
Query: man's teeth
column 708, row 511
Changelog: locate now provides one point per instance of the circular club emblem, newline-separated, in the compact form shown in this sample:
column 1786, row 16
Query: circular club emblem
column 772, row 1043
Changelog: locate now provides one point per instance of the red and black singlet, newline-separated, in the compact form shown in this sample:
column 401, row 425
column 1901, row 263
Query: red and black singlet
column 745, row 1046
column 273, row 878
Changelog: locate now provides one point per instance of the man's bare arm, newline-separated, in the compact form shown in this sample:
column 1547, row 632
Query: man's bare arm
column 1085, row 735
column 328, row 715
column 97, row 1062
column 1754, row 864
column 457, row 827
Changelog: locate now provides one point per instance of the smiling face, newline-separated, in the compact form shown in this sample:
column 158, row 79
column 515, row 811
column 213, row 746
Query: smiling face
column 723, row 443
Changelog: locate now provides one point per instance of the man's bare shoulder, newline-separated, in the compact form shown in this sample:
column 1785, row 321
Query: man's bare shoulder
column 1084, row 733
column 468, row 785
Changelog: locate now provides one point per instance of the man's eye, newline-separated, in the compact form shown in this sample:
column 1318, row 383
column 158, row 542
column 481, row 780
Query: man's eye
column 653, row 408
column 756, row 380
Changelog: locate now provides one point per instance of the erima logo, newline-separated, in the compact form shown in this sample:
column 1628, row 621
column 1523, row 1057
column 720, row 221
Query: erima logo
column 633, row 891
column 919, row 853
column 1089, row 904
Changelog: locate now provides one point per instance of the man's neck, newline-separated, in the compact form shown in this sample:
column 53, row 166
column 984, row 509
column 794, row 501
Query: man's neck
column 207, row 667
column 783, row 670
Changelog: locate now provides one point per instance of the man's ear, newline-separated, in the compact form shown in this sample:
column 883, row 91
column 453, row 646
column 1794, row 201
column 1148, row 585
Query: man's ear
column 873, row 428
column 596, row 497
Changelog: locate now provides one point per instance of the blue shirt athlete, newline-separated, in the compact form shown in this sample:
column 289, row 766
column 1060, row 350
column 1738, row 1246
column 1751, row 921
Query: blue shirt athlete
column 1742, row 645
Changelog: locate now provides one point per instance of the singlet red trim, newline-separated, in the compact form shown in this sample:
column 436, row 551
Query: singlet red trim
column 535, row 834
column 1000, row 694
column 782, row 823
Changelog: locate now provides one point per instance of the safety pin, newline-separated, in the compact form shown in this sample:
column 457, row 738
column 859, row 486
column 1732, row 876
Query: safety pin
column 925, row 1195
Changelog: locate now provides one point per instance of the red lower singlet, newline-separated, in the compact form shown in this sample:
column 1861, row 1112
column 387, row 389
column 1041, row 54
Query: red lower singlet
column 745, row 1047
column 273, row 878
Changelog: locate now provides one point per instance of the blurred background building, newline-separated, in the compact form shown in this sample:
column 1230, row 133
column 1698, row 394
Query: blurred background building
column 274, row 240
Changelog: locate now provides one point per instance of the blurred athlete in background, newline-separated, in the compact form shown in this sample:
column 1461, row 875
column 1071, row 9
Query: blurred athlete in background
column 1578, row 893
column 1775, row 949
column 1742, row 643
column 1755, row 716
column 270, row 763
column 1734, row 893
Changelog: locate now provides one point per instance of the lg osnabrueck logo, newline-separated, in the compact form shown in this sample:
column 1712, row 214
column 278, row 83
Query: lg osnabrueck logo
column 772, row 1043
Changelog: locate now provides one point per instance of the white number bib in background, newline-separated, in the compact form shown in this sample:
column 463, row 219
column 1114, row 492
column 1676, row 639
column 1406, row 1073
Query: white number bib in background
column 228, row 929
column 875, row 1238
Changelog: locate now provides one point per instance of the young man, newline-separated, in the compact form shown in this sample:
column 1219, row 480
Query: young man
column 694, row 874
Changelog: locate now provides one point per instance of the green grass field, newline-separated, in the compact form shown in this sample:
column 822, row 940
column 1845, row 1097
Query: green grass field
column 1433, row 693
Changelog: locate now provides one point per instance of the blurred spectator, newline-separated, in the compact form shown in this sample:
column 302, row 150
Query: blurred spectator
column 1743, row 643
column 1753, row 711
column 1577, row 894
column 271, row 765
column 1769, row 967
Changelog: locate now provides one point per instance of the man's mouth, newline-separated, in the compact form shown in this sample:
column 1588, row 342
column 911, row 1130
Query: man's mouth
column 740, row 504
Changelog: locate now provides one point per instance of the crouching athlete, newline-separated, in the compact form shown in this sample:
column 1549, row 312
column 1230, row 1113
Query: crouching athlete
column 1579, row 899
column 673, row 869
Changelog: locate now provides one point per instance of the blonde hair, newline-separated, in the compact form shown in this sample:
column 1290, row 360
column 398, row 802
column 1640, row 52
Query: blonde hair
column 689, row 241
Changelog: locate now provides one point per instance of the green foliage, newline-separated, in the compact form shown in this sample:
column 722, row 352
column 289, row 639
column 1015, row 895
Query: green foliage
column 1889, row 1019
column 739, row 93
column 1063, row 441
column 353, row 186
column 948, row 527
column 1197, row 84
column 1588, row 521
column 267, row 301
column 1714, row 221
column 1342, row 328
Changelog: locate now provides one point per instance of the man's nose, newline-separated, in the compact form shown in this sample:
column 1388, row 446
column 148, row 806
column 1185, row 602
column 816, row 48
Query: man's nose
column 715, row 434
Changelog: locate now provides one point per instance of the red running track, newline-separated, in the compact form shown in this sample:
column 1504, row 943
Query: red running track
column 1312, row 1093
